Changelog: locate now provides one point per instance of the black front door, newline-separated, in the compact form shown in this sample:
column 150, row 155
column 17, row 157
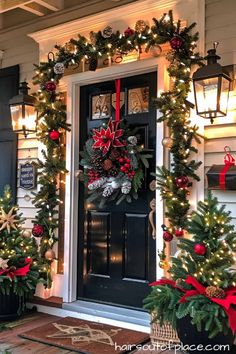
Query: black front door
column 9, row 83
column 117, row 255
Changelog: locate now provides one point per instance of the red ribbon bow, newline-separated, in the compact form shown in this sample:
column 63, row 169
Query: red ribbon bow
column 199, row 289
column 229, row 161
column 17, row 272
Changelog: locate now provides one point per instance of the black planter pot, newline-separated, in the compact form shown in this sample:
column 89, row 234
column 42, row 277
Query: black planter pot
column 9, row 305
column 189, row 335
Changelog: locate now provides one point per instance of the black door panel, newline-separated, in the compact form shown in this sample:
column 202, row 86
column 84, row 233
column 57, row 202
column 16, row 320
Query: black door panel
column 117, row 255
column 9, row 83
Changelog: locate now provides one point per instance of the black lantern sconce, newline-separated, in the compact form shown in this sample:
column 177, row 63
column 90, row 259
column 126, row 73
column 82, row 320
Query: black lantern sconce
column 211, row 87
column 23, row 113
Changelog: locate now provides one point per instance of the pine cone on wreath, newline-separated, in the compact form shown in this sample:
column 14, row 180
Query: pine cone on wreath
column 214, row 291
column 114, row 155
column 107, row 191
column 107, row 165
column 126, row 187
column 113, row 172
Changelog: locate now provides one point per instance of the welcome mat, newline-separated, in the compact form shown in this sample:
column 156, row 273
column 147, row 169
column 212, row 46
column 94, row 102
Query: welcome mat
column 87, row 337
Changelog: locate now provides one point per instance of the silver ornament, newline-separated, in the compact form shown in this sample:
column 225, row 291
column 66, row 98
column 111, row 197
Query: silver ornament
column 155, row 50
column 126, row 187
column 108, row 190
column 107, row 32
column 115, row 184
column 59, row 68
column 132, row 140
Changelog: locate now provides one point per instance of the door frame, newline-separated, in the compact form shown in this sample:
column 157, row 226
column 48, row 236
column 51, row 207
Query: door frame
column 72, row 84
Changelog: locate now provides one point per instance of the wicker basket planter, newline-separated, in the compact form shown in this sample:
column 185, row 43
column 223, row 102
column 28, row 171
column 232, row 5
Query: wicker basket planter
column 163, row 334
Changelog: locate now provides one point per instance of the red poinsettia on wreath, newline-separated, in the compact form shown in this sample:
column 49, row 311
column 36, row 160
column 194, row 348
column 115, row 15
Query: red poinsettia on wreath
column 105, row 138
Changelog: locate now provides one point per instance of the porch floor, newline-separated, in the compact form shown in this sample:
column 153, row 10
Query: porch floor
column 11, row 343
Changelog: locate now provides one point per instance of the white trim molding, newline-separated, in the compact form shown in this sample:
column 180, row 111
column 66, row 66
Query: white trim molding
column 73, row 84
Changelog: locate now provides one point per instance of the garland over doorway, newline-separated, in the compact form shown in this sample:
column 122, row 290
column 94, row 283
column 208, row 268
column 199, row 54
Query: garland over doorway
column 173, row 183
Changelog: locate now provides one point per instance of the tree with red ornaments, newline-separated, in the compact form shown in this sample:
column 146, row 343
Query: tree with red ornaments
column 19, row 258
column 203, row 276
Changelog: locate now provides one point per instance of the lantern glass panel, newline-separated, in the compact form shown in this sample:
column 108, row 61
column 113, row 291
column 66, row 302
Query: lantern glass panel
column 30, row 118
column 16, row 117
column 224, row 96
column 206, row 91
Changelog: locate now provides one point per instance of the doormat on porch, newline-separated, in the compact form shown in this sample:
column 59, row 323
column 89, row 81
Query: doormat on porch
column 87, row 337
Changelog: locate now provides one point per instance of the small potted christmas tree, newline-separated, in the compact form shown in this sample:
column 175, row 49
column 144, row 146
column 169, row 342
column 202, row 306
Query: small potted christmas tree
column 19, row 272
column 200, row 298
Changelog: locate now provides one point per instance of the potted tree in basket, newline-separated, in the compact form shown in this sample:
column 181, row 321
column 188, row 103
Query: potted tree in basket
column 19, row 273
column 199, row 300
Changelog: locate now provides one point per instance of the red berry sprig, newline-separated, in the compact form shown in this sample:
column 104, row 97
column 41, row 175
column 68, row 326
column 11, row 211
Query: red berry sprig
column 93, row 176
column 126, row 167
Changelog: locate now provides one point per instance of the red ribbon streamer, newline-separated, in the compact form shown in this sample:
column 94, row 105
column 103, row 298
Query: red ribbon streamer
column 117, row 83
column 229, row 161
column 17, row 272
column 199, row 289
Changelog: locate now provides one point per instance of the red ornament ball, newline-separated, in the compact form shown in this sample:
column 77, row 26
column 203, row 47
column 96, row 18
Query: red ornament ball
column 54, row 135
column 50, row 86
column 200, row 249
column 182, row 182
column 167, row 236
column 129, row 32
column 176, row 42
column 179, row 232
column 37, row 230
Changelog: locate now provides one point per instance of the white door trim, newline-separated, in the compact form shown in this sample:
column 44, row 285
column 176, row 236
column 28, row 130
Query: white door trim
column 73, row 84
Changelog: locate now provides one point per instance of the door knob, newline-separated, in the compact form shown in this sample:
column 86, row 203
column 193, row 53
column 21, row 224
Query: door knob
column 151, row 217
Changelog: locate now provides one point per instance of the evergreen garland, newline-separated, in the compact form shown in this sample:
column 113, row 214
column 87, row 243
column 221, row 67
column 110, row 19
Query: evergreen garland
column 172, row 104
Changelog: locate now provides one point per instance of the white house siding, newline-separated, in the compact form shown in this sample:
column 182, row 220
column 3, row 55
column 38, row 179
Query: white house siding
column 221, row 26
column 20, row 49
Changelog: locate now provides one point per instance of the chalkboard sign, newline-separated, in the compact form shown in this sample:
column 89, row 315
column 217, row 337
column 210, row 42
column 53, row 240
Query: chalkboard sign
column 27, row 176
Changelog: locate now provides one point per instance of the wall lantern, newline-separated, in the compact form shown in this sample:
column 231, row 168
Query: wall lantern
column 23, row 113
column 211, row 87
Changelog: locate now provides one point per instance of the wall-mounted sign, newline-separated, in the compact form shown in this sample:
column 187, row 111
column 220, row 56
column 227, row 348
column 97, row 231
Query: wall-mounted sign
column 27, row 176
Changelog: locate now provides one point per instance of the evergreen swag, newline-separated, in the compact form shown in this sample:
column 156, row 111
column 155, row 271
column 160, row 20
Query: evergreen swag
column 172, row 104
column 113, row 164
column 19, row 266
column 209, row 258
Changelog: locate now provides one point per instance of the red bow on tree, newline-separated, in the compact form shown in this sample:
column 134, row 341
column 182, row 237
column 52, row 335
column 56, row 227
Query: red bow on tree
column 199, row 289
column 12, row 273
column 105, row 138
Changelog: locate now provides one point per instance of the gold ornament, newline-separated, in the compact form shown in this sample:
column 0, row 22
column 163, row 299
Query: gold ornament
column 140, row 26
column 26, row 233
column 214, row 291
column 8, row 221
column 155, row 50
column 164, row 264
column 167, row 142
column 50, row 254
column 3, row 263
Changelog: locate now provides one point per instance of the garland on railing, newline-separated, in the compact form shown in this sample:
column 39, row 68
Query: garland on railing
column 173, row 105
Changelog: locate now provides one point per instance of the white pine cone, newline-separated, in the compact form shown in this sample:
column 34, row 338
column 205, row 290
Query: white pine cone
column 126, row 187
column 132, row 140
column 107, row 191
column 59, row 68
column 97, row 184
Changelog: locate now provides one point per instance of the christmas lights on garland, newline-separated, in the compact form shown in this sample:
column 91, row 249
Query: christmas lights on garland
column 173, row 105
